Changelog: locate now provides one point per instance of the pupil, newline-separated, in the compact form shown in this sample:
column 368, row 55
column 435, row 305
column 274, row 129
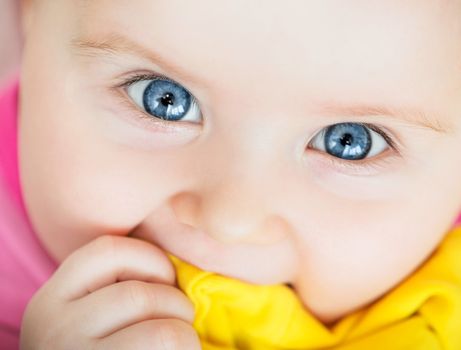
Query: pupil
column 167, row 99
column 347, row 139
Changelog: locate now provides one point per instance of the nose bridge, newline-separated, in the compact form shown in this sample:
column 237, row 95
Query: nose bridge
column 234, row 182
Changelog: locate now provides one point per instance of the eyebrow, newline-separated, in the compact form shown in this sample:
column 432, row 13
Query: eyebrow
column 118, row 44
column 115, row 44
column 411, row 115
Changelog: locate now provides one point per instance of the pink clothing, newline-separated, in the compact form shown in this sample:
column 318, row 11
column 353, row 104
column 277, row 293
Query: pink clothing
column 24, row 264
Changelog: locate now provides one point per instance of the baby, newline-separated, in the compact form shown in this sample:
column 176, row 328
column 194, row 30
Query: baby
column 312, row 144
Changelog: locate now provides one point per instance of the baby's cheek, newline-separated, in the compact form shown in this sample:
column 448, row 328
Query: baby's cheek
column 349, row 265
column 78, row 186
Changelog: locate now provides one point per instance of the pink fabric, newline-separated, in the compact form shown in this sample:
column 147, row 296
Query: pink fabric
column 24, row 264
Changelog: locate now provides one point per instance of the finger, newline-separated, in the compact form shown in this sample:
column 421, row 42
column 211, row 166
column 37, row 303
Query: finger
column 109, row 259
column 167, row 334
column 123, row 304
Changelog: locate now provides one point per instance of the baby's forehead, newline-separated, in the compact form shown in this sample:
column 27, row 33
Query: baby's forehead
column 288, row 12
column 383, row 51
column 278, row 21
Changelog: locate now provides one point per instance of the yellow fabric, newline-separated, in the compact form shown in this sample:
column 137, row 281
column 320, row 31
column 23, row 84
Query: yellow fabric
column 423, row 312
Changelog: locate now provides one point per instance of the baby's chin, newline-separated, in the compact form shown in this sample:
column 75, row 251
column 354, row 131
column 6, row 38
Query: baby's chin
column 329, row 309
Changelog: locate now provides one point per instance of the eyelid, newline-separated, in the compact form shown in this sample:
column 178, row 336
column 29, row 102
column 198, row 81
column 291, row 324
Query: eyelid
column 363, row 167
column 137, row 77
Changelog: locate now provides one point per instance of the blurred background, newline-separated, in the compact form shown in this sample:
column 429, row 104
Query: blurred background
column 10, row 38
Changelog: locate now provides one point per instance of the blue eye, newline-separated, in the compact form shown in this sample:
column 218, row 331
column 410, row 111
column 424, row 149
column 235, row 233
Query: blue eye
column 164, row 99
column 350, row 141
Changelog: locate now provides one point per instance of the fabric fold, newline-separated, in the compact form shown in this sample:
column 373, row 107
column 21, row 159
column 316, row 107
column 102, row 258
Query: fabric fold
column 422, row 312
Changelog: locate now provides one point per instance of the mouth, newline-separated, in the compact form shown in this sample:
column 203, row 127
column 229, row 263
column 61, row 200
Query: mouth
column 197, row 248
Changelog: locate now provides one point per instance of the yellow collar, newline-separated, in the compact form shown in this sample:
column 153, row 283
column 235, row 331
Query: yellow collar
column 423, row 312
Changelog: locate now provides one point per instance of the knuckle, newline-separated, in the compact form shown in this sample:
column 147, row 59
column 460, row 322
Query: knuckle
column 176, row 334
column 109, row 246
column 140, row 295
column 106, row 243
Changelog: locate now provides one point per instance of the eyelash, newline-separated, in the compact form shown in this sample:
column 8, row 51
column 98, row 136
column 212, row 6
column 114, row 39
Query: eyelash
column 139, row 77
column 366, row 165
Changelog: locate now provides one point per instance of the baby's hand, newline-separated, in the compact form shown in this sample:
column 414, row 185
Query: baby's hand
column 113, row 293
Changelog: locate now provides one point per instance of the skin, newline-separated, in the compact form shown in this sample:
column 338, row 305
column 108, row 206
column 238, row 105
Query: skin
column 240, row 192
column 10, row 41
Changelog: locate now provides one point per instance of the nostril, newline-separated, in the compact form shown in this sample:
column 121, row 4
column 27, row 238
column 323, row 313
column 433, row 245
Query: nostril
column 228, row 215
column 185, row 207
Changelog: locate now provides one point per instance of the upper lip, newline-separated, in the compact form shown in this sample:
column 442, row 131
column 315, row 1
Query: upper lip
column 239, row 260
column 184, row 248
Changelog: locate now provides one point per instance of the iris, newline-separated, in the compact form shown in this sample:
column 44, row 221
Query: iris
column 350, row 141
column 166, row 100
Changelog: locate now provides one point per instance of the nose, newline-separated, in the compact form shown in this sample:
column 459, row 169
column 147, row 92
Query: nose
column 230, row 213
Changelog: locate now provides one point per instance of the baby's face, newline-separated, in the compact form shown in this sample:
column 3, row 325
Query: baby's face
column 314, row 143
